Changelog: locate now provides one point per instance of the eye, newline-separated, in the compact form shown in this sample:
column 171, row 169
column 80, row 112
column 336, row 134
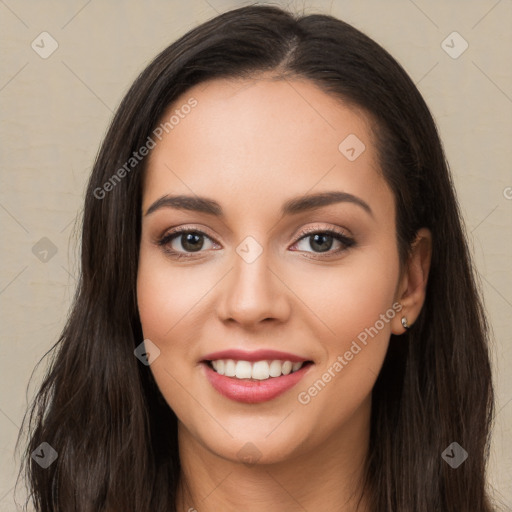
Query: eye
column 183, row 242
column 322, row 241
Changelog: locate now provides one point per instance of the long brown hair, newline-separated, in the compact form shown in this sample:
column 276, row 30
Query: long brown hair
column 100, row 408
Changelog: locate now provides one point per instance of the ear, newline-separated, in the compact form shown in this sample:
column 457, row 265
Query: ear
column 412, row 286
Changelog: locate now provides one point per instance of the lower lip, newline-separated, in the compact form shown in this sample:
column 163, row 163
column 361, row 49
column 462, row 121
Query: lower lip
column 253, row 391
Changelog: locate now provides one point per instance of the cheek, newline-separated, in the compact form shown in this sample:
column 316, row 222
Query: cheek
column 166, row 296
column 351, row 298
column 357, row 306
column 173, row 307
column 167, row 301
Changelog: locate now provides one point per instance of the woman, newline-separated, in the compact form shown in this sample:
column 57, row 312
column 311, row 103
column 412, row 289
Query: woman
column 277, row 308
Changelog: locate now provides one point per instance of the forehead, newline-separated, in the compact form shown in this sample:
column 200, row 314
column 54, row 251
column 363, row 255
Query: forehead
column 261, row 137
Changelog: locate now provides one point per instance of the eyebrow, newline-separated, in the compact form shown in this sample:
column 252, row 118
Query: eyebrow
column 292, row 206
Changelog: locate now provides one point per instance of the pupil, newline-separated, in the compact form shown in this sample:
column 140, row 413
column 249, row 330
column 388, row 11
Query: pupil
column 319, row 240
column 191, row 240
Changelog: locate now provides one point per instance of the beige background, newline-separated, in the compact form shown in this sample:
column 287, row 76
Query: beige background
column 55, row 112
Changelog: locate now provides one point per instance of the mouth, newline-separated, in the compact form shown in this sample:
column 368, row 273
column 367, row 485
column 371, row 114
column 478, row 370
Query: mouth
column 254, row 381
column 255, row 370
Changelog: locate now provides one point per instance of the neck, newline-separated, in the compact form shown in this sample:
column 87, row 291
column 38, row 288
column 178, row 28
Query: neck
column 327, row 477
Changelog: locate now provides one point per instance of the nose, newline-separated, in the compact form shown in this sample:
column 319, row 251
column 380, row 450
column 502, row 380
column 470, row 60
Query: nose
column 253, row 293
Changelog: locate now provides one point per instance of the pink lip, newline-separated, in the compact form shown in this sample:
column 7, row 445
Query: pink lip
column 253, row 391
column 257, row 355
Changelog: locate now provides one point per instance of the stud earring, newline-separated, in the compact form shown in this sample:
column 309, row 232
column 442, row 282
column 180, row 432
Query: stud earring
column 405, row 325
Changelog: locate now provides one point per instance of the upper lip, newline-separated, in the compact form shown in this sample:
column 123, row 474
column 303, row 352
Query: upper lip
column 256, row 355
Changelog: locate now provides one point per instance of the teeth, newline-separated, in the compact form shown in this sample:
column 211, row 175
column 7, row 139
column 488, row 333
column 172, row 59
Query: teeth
column 275, row 369
column 259, row 370
column 220, row 366
column 287, row 367
column 243, row 370
column 229, row 368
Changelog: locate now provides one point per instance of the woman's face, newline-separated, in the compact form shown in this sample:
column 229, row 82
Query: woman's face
column 261, row 271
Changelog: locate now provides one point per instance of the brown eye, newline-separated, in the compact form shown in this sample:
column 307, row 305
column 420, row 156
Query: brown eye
column 185, row 242
column 192, row 241
column 322, row 241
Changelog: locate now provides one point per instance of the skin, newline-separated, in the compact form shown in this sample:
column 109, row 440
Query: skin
column 252, row 145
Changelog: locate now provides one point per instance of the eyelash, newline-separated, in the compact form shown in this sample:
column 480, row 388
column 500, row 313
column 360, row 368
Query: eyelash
column 346, row 241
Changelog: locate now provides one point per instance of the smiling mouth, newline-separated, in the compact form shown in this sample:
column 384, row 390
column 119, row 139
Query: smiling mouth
column 255, row 370
column 254, row 382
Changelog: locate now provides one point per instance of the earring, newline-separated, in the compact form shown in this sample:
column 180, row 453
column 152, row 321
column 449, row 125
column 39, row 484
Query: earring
column 405, row 325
